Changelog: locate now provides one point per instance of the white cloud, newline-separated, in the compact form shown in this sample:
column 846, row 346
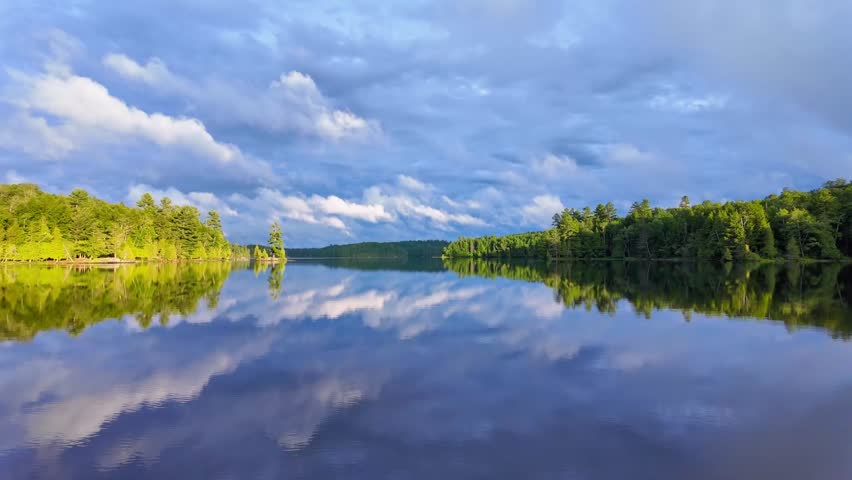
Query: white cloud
column 59, row 112
column 552, row 164
column 154, row 72
column 297, row 82
column 449, row 201
column 335, row 205
column 334, row 222
column 470, row 204
column 35, row 137
column 203, row 201
column 88, row 105
column 407, row 206
column 301, row 90
column 626, row 155
column 541, row 210
column 293, row 102
column 294, row 208
column 412, row 183
column 375, row 206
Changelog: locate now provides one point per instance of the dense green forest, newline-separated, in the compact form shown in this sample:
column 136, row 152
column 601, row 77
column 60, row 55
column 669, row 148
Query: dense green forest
column 35, row 225
column 798, row 294
column 792, row 225
column 415, row 248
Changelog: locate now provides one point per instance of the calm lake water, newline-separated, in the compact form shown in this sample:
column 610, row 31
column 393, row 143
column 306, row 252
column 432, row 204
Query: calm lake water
column 404, row 370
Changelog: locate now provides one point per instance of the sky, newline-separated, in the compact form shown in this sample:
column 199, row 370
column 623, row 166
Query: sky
column 365, row 121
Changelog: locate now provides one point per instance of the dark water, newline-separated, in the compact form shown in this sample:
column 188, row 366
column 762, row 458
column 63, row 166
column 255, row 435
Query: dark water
column 368, row 370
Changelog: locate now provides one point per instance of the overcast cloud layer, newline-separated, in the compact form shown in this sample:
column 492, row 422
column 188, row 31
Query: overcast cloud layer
column 360, row 120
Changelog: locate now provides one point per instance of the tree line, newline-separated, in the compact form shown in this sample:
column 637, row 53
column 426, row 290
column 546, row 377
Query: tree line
column 793, row 225
column 39, row 226
column 404, row 249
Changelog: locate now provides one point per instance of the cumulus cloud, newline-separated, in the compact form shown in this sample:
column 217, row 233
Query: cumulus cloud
column 300, row 89
column 318, row 210
column 540, row 211
column 154, row 72
column 408, row 206
column 551, row 164
column 335, row 205
column 412, row 183
column 294, row 208
column 87, row 107
column 628, row 156
column 378, row 204
column 712, row 96
column 35, row 137
column 470, row 204
column 293, row 101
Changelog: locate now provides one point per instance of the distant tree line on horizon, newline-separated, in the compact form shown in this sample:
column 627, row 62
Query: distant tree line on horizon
column 403, row 249
column 793, row 225
column 40, row 226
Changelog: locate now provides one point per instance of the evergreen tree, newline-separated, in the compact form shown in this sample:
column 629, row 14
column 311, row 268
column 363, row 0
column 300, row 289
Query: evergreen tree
column 41, row 226
column 276, row 243
column 815, row 224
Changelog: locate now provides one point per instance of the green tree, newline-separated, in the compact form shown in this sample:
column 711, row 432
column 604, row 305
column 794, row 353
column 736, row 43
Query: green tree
column 276, row 243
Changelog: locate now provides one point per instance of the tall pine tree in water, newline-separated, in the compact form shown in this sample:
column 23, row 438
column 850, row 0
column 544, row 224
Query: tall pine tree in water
column 276, row 242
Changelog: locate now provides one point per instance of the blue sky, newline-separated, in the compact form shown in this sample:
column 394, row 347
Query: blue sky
column 360, row 120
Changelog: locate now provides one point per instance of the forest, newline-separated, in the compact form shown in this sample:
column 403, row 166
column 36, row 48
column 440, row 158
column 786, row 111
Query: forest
column 415, row 248
column 792, row 225
column 35, row 226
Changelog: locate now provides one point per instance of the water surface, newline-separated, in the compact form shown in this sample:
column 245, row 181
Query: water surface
column 372, row 370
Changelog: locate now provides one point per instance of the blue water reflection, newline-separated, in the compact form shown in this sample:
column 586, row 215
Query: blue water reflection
column 349, row 373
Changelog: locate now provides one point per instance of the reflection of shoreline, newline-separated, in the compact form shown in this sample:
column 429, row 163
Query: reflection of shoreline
column 353, row 364
column 806, row 294
column 113, row 262
column 402, row 264
column 37, row 298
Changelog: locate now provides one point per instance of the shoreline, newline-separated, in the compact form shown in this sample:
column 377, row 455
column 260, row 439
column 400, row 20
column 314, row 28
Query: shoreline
column 118, row 262
column 669, row 260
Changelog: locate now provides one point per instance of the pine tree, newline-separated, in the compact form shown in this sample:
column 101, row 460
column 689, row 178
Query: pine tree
column 276, row 243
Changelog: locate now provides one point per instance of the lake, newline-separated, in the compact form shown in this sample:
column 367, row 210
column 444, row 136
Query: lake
column 418, row 370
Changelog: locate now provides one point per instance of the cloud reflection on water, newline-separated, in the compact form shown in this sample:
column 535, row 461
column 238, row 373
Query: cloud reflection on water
column 368, row 371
